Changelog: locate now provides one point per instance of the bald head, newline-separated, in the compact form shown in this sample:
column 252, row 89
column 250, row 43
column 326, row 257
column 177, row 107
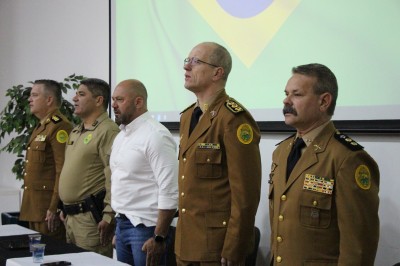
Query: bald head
column 129, row 101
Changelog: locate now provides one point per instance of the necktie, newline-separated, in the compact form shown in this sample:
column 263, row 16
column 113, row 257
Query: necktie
column 294, row 155
column 195, row 118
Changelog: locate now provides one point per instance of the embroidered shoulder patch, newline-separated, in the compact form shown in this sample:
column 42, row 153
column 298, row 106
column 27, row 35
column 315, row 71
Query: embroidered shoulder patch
column 62, row 136
column 347, row 141
column 233, row 106
column 56, row 119
column 363, row 177
column 245, row 133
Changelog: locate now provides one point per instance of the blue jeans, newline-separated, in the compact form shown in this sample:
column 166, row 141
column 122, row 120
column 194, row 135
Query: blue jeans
column 130, row 239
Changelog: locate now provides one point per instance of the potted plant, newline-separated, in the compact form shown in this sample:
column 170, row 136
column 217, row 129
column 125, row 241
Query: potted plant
column 17, row 120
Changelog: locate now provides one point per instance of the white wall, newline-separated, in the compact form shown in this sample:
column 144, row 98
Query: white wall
column 55, row 38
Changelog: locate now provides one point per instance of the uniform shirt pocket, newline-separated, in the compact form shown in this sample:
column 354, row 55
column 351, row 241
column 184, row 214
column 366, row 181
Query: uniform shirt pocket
column 38, row 152
column 315, row 209
column 208, row 163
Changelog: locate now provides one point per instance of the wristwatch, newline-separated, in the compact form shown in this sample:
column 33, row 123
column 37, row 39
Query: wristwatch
column 159, row 238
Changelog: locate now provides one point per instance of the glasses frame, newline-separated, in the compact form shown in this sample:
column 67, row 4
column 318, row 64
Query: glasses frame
column 196, row 61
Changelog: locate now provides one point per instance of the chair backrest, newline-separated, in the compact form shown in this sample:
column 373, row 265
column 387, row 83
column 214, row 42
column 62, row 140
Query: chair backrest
column 252, row 257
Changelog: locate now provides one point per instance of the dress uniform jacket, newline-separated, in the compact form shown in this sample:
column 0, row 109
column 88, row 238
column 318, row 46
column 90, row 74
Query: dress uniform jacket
column 219, row 183
column 327, row 211
column 44, row 161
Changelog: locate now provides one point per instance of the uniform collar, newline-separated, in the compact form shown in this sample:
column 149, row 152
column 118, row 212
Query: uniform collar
column 310, row 136
column 93, row 126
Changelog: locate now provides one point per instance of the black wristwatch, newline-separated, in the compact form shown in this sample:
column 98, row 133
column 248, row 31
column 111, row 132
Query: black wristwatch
column 159, row 238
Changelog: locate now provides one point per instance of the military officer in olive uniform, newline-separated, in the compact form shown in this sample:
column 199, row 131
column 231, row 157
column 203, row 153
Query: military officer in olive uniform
column 44, row 160
column 85, row 180
column 219, row 167
column 325, row 211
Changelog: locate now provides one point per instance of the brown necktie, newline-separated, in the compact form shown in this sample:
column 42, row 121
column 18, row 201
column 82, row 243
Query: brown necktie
column 195, row 118
column 294, row 155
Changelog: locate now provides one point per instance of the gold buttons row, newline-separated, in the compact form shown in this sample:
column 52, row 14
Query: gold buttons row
column 44, row 187
column 279, row 239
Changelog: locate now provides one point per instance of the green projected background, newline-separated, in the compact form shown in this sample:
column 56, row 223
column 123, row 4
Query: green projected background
column 358, row 40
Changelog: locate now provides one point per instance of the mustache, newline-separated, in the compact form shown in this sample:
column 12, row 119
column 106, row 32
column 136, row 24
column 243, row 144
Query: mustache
column 289, row 110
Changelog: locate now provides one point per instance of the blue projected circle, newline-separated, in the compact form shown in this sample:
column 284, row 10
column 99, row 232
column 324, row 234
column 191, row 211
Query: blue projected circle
column 244, row 8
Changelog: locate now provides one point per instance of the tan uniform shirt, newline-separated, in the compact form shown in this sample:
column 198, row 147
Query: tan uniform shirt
column 219, row 183
column 86, row 168
column 327, row 211
column 44, row 161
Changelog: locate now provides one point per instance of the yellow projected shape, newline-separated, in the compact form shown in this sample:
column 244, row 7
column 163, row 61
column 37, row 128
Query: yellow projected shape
column 249, row 36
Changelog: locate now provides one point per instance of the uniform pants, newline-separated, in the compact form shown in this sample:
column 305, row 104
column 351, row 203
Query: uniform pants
column 42, row 228
column 82, row 231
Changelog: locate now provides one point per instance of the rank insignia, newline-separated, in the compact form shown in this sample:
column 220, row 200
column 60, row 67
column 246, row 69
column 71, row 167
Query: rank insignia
column 318, row 184
column 213, row 146
column 56, row 119
column 347, row 141
column 87, row 139
column 245, row 133
column 363, row 177
column 62, row 136
column 233, row 106
column 40, row 138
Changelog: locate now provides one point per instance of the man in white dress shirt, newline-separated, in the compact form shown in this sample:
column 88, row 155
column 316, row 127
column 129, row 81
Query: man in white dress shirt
column 144, row 185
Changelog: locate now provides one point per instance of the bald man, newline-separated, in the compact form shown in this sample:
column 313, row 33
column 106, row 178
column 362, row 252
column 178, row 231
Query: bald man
column 144, row 186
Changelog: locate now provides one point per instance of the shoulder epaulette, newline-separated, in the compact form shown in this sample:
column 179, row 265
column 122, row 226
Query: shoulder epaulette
column 187, row 108
column 291, row 136
column 234, row 106
column 347, row 141
column 56, row 119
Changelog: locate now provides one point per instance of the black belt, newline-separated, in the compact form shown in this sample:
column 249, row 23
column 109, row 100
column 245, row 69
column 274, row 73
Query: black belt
column 72, row 209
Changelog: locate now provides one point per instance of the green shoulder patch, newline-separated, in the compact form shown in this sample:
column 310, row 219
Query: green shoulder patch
column 56, row 119
column 234, row 106
column 347, row 141
column 187, row 108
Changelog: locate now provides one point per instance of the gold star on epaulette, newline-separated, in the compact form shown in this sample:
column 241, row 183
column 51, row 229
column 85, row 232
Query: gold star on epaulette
column 233, row 106
column 56, row 119
column 347, row 141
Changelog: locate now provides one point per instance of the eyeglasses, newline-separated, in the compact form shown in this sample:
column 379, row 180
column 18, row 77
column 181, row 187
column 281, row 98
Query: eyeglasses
column 196, row 61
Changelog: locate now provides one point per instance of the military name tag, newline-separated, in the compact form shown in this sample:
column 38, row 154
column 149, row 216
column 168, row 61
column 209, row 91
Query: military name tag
column 214, row 146
column 40, row 138
column 318, row 184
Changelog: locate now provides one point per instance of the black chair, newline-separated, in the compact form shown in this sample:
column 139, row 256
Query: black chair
column 252, row 257
column 12, row 218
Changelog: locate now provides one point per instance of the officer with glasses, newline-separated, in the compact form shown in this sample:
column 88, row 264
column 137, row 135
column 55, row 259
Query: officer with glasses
column 219, row 166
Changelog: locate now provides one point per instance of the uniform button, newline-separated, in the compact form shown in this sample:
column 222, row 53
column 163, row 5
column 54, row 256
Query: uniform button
column 24, row 174
column 224, row 223
column 183, row 177
column 44, row 187
column 283, row 197
column 279, row 239
column 315, row 203
column 29, row 148
column 278, row 259
column 183, row 194
column 280, row 218
column 184, row 160
column 27, row 161
column 208, row 160
column 183, row 210
column 26, row 187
